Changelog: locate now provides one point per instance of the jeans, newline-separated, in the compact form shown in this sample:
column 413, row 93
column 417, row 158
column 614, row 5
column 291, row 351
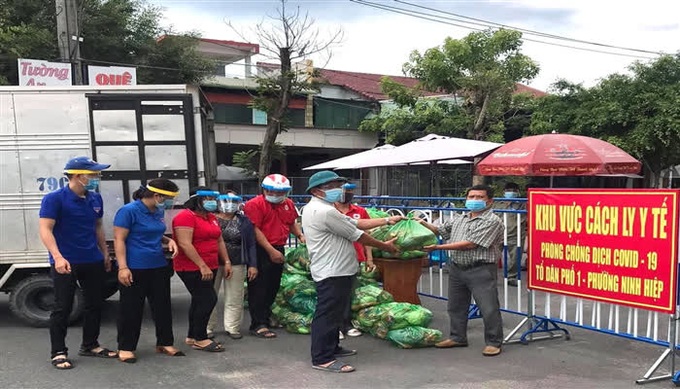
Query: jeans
column 203, row 300
column 154, row 285
column 481, row 283
column 90, row 277
column 332, row 298
column 263, row 289
column 233, row 299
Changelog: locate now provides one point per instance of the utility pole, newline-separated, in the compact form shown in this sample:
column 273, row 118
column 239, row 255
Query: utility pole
column 68, row 36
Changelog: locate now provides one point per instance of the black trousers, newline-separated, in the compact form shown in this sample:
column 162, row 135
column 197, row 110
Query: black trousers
column 203, row 300
column 332, row 298
column 90, row 277
column 263, row 289
column 154, row 285
column 347, row 320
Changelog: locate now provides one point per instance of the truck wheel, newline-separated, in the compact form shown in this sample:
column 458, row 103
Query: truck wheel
column 32, row 299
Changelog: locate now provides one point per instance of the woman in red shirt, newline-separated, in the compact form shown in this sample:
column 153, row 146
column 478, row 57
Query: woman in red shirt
column 201, row 252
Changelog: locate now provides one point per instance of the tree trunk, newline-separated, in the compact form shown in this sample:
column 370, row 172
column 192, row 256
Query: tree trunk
column 477, row 130
column 275, row 117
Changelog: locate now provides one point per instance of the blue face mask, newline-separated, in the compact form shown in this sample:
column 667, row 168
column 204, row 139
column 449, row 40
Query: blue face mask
column 210, row 205
column 92, row 184
column 511, row 195
column 165, row 204
column 475, row 205
column 334, row 195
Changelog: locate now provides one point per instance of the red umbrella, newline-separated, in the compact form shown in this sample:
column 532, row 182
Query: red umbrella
column 558, row 155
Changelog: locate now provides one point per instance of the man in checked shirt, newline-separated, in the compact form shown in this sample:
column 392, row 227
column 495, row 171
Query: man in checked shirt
column 475, row 238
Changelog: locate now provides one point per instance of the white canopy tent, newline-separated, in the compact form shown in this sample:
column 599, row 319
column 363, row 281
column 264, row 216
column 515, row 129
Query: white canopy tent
column 430, row 148
column 349, row 161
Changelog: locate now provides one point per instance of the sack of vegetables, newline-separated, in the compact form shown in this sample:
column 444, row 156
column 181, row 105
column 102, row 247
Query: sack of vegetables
column 298, row 257
column 375, row 213
column 411, row 238
column 368, row 296
column 414, row 336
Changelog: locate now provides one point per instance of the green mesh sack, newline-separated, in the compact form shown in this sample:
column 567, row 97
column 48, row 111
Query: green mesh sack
column 375, row 213
column 414, row 337
column 407, row 314
column 298, row 257
column 368, row 296
column 374, row 320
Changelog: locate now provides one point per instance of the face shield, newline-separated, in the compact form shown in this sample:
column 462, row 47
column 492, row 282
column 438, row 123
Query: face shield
column 229, row 203
column 166, row 199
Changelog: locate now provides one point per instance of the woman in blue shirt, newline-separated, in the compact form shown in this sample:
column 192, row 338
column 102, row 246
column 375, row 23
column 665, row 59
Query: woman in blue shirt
column 143, row 270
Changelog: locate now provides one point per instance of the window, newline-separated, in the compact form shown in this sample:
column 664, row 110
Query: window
column 233, row 113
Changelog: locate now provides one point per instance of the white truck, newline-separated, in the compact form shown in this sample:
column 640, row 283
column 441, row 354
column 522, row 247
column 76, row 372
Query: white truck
column 144, row 132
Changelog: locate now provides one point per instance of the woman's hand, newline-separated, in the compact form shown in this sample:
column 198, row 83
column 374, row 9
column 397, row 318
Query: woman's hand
column 252, row 273
column 206, row 273
column 172, row 246
column 125, row 276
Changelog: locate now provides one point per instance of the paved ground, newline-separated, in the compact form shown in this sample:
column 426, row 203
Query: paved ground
column 589, row 360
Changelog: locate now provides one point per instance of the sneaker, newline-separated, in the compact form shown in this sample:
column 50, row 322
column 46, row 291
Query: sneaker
column 341, row 336
column 353, row 332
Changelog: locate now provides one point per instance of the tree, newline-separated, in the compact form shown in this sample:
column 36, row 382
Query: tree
column 113, row 31
column 483, row 67
column 639, row 112
column 249, row 160
column 291, row 37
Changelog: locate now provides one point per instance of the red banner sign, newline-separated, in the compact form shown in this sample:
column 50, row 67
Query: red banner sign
column 616, row 246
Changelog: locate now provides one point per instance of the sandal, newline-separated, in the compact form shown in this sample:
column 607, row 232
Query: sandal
column 335, row 367
column 343, row 352
column 189, row 341
column 131, row 359
column 59, row 360
column 212, row 347
column 264, row 333
column 234, row 335
column 164, row 350
column 103, row 353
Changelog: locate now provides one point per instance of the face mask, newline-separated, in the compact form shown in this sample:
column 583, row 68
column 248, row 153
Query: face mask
column 348, row 198
column 511, row 195
column 210, row 205
column 333, row 195
column 475, row 205
column 230, row 207
column 92, row 184
column 275, row 199
column 165, row 204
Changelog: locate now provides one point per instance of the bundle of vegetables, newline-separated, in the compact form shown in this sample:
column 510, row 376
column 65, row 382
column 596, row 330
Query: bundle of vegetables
column 380, row 319
column 411, row 238
column 367, row 277
column 296, row 323
column 296, row 301
column 375, row 213
column 298, row 258
column 414, row 337
column 368, row 296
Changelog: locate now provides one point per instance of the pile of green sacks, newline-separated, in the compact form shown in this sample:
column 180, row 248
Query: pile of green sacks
column 411, row 237
column 374, row 310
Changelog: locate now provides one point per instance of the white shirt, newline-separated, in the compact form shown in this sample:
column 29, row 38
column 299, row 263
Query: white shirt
column 329, row 236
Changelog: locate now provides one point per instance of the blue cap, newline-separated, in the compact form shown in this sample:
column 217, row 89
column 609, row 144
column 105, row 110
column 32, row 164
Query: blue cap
column 323, row 177
column 230, row 197
column 349, row 186
column 83, row 165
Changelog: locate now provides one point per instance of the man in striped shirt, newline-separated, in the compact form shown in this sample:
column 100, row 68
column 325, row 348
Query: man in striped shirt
column 475, row 238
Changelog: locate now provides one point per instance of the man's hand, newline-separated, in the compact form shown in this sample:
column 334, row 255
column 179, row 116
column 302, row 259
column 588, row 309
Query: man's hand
column 390, row 247
column 370, row 266
column 252, row 273
column 276, row 256
column 206, row 273
column 431, row 248
column 62, row 266
column 107, row 263
column 392, row 220
column 302, row 239
column 172, row 247
column 227, row 270
column 125, row 277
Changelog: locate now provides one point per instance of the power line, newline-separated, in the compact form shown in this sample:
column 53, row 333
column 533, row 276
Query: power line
column 531, row 32
column 443, row 20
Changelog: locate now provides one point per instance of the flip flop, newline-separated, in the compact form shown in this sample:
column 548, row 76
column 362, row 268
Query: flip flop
column 213, row 347
column 266, row 334
column 343, row 352
column 335, row 367
column 103, row 353
column 60, row 360
column 163, row 350
column 234, row 335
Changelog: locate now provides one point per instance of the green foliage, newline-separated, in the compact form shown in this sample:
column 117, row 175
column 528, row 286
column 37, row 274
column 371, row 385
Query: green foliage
column 113, row 31
column 480, row 71
column 249, row 159
column 639, row 112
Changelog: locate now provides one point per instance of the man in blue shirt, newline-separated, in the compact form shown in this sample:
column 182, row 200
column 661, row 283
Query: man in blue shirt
column 71, row 230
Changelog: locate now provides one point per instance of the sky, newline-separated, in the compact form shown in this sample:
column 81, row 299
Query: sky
column 379, row 41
